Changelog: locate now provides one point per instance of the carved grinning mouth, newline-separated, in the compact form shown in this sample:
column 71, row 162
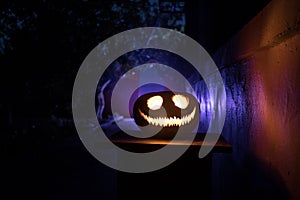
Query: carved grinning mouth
column 167, row 122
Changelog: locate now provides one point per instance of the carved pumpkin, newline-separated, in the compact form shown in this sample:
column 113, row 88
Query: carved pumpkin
column 167, row 110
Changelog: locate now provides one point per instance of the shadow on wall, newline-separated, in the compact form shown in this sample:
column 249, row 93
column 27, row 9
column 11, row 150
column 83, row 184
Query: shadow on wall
column 247, row 178
column 260, row 69
column 240, row 174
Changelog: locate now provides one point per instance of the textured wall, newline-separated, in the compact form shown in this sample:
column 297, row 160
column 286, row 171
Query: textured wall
column 260, row 66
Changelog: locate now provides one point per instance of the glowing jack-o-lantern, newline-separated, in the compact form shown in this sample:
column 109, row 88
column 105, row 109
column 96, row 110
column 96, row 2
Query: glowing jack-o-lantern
column 168, row 110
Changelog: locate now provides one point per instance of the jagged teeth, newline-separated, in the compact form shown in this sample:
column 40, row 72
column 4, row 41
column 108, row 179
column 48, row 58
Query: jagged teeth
column 172, row 121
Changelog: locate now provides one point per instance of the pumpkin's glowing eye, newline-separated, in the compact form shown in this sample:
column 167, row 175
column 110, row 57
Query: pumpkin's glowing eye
column 154, row 103
column 180, row 101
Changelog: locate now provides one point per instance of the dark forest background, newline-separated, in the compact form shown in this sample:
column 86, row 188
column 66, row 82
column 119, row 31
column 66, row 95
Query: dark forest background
column 43, row 42
column 42, row 45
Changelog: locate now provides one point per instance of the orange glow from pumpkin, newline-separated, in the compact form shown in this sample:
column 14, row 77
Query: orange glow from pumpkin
column 169, row 121
column 154, row 103
column 180, row 101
